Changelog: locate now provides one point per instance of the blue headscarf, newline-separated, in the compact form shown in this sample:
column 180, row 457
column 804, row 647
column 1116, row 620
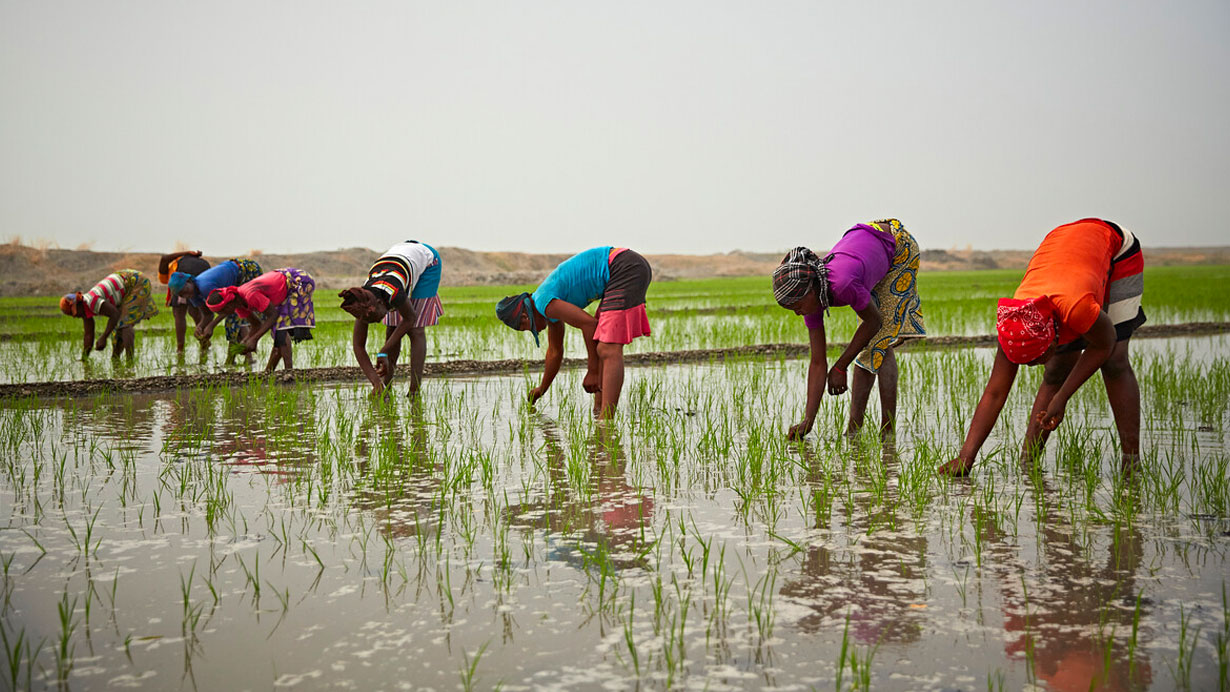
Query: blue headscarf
column 509, row 311
column 177, row 282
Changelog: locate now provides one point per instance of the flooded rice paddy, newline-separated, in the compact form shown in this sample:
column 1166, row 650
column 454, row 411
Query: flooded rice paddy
column 280, row 536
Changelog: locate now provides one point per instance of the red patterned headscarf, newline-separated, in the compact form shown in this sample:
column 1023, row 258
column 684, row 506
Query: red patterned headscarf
column 1026, row 328
column 219, row 298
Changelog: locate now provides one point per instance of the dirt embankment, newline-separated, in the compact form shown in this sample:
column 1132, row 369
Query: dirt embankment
column 28, row 271
column 492, row 367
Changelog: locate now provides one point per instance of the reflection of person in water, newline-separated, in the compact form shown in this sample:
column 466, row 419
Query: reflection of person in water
column 879, row 582
column 278, row 441
column 609, row 513
column 1070, row 604
column 409, row 507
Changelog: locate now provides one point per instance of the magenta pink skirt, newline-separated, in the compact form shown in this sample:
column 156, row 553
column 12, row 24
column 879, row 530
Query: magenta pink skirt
column 622, row 326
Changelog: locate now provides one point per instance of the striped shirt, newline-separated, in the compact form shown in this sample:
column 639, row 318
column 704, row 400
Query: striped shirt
column 110, row 289
column 396, row 272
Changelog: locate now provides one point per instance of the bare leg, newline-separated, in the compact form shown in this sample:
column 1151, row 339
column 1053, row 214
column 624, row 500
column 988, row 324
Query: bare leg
column 275, row 355
column 611, row 360
column 288, row 349
column 887, row 376
column 860, row 392
column 393, row 353
column 418, row 356
column 1123, row 391
column 178, row 313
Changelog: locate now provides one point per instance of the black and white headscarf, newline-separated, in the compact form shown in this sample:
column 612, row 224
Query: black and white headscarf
column 801, row 271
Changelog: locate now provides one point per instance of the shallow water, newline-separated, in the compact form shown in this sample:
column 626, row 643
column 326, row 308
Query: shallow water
column 280, row 536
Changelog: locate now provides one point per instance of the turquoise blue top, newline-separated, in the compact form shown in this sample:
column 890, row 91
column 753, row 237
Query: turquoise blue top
column 578, row 280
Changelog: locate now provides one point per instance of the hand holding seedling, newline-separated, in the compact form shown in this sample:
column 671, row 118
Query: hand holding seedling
column 956, row 468
column 837, row 380
column 799, row 430
column 1053, row 415
column 536, row 394
column 592, row 384
column 101, row 343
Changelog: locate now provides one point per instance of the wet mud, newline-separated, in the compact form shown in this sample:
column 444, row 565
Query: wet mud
column 464, row 367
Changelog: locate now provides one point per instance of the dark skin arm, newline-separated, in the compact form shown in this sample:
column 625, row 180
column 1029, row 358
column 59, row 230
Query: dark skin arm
column 408, row 317
column 555, row 357
column 88, row 346
column 258, row 329
column 113, row 318
column 164, row 264
column 587, row 323
column 358, row 342
column 869, row 325
column 203, row 331
column 1003, row 374
column 1100, row 341
column 816, row 372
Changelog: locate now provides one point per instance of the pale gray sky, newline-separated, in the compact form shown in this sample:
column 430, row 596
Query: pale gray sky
column 555, row 126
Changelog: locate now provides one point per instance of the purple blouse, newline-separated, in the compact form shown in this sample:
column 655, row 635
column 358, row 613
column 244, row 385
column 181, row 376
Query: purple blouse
column 861, row 258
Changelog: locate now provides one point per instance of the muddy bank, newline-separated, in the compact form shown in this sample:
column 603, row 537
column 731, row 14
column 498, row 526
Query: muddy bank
column 162, row 383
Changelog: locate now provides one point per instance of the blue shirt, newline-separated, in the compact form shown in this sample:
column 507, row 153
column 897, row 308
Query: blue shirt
column 578, row 280
column 220, row 276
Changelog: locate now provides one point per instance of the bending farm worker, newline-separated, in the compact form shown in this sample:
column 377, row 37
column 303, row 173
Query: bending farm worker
column 402, row 292
column 1075, row 312
column 619, row 277
column 873, row 269
column 187, row 262
column 124, row 298
column 192, row 291
column 280, row 300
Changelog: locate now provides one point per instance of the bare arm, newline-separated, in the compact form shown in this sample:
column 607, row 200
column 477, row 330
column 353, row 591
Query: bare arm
column 1099, row 342
column 587, row 323
column 113, row 318
column 408, row 318
column 89, row 337
column 870, row 321
column 164, row 264
column 1003, row 374
column 259, row 329
column 358, row 342
column 555, row 357
column 817, row 370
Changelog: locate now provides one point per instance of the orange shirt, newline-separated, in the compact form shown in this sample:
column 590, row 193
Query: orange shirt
column 1071, row 268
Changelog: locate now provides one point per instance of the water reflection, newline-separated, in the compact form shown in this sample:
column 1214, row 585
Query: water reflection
column 593, row 517
column 878, row 579
column 268, row 430
column 399, row 473
column 1070, row 616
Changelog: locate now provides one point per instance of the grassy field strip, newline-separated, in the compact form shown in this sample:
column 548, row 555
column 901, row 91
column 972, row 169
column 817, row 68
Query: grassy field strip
column 464, row 367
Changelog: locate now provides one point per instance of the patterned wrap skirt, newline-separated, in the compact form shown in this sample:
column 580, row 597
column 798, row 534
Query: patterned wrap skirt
column 896, row 296
column 248, row 270
column 136, row 304
column 296, row 314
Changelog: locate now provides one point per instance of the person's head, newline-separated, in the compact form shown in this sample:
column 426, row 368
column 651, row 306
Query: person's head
column 180, row 284
column 519, row 313
column 73, row 305
column 225, row 300
column 800, row 282
column 363, row 304
column 1026, row 330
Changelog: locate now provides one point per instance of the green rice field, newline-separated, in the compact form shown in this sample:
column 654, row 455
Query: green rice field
column 312, row 536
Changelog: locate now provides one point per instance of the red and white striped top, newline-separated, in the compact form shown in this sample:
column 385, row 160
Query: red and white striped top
column 110, row 289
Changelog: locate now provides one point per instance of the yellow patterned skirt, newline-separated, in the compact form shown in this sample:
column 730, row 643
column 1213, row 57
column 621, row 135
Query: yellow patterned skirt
column 896, row 296
column 136, row 304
